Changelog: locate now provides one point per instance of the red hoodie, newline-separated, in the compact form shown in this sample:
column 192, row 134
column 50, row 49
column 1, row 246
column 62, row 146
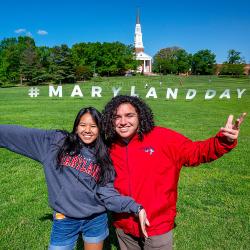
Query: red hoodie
column 149, row 171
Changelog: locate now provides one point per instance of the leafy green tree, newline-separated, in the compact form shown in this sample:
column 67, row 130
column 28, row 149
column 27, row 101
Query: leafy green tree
column 183, row 60
column 44, row 56
column 203, row 62
column 232, row 69
column 18, row 59
column 234, row 66
column 29, row 61
column 234, row 57
column 164, row 61
column 104, row 58
column 9, row 60
column 86, row 53
column 3, row 68
column 172, row 60
column 62, row 69
column 83, row 73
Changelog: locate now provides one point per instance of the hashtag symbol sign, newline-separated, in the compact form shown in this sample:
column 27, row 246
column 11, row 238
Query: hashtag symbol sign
column 33, row 92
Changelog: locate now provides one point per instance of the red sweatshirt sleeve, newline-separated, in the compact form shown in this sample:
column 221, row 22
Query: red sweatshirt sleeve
column 195, row 153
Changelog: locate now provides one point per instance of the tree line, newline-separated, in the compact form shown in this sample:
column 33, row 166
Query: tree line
column 176, row 60
column 21, row 61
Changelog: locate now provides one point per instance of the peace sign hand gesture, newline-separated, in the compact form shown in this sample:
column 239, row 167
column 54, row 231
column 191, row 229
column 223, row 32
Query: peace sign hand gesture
column 231, row 131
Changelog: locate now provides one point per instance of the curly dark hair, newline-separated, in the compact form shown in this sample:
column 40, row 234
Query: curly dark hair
column 144, row 112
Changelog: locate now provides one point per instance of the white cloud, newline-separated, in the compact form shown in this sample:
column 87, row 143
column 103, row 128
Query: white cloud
column 18, row 31
column 42, row 32
column 28, row 34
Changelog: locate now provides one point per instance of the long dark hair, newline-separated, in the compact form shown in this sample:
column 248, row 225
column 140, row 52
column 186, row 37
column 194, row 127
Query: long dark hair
column 72, row 145
column 144, row 112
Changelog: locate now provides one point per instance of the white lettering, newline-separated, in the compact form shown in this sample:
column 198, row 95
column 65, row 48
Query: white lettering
column 191, row 93
column 240, row 92
column 53, row 92
column 210, row 93
column 76, row 91
column 133, row 91
column 171, row 93
column 116, row 91
column 225, row 94
column 151, row 93
column 96, row 91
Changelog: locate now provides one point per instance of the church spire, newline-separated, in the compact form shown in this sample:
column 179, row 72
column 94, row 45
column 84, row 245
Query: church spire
column 138, row 16
column 144, row 60
column 138, row 35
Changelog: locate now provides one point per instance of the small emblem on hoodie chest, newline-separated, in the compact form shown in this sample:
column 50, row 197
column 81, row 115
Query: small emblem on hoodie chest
column 149, row 150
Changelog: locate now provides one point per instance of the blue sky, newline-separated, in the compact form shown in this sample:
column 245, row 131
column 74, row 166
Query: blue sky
column 192, row 25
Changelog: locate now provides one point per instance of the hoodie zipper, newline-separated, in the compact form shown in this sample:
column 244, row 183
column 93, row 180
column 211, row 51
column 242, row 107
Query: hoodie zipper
column 129, row 180
column 129, row 176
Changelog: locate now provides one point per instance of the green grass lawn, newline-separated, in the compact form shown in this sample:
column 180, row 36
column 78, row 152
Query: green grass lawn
column 213, row 203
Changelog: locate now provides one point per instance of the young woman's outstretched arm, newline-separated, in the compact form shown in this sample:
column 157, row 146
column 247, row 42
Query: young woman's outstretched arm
column 25, row 141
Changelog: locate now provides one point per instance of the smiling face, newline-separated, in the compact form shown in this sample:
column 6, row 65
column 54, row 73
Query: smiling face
column 126, row 121
column 87, row 129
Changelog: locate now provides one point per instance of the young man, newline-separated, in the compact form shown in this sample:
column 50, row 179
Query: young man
column 148, row 160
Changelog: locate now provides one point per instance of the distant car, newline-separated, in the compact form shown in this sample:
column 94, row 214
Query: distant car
column 128, row 74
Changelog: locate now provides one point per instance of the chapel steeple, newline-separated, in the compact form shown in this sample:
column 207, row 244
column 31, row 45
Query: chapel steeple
column 138, row 17
column 138, row 35
column 145, row 60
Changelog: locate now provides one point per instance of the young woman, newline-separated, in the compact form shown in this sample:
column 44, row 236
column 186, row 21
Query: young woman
column 79, row 176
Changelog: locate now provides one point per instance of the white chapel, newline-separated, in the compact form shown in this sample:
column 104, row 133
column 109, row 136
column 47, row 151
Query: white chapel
column 145, row 60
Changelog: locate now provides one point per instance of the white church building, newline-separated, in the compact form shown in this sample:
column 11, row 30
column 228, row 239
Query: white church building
column 145, row 60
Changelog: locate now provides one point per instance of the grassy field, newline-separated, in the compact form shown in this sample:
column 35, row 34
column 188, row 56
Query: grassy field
column 213, row 204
